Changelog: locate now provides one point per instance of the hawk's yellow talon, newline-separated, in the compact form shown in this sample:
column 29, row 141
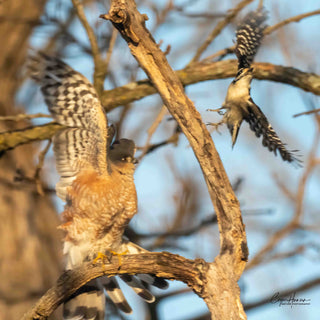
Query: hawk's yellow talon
column 100, row 256
column 119, row 255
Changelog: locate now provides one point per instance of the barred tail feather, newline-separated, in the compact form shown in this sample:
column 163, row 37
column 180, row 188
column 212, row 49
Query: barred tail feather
column 138, row 287
column 114, row 292
column 87, row 303
column 148, row 279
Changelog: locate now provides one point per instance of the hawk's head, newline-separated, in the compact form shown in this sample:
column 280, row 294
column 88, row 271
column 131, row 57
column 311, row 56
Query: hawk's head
column 122, row 152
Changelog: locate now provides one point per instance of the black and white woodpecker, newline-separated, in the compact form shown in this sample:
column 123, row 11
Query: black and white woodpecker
column 238, row 104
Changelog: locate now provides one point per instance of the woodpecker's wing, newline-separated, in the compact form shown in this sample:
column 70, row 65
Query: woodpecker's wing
column 260, row 125
column 73, row 102
column 249, row 36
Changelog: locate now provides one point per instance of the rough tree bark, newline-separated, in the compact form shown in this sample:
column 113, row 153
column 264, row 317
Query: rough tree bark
column 30, row 246
column 220, row 290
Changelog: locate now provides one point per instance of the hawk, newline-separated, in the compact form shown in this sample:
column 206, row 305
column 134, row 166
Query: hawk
column 96, row 182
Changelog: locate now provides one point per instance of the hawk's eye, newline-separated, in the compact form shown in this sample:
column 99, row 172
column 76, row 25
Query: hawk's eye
column 127, row 159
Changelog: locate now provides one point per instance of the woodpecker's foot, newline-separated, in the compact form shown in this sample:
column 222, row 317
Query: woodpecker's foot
column 215, row 126
column 219, row 110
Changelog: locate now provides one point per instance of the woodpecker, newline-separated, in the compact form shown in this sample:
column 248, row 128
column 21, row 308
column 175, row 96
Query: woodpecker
column 238, row 104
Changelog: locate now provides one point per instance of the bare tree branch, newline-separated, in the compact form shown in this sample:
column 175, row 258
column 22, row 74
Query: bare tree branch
column 22, row 116
column 222, row 275
column 165, row 264
column 12, row 139
column 197, row 72
column 99, row 65
column 289, row 20
column 222, row 53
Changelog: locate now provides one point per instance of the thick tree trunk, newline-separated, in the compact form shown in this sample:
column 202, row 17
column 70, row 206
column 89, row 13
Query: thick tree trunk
column 30, row 254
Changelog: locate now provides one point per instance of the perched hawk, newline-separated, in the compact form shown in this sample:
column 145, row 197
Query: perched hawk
column 96, row 182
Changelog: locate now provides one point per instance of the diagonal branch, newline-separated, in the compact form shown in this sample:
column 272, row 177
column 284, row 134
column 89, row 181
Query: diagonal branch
column 221, row 293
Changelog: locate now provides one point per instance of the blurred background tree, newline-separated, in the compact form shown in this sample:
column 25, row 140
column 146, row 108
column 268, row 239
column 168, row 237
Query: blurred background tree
column 279, row 203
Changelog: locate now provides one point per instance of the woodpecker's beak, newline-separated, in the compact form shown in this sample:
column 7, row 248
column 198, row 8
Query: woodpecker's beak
column 135, row 161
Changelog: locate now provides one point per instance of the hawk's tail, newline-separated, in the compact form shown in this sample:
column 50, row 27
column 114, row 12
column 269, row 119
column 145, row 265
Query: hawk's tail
column 89, row 301
column 86, row 303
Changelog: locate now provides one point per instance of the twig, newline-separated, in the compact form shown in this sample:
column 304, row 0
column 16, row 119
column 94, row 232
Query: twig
column 111, row 46
column 203, row 15
column 295, row 221
column 37, row 179
column 161, row 15
column 152, row 130
column 211, row 220
column 99, row 65
column 62, row 30
column 22, row 116
column 286, row 255
column 92, row 38
column 219, row 27
column 222, row 53
column 152, row 147
column 289, row 20
column 306, row 113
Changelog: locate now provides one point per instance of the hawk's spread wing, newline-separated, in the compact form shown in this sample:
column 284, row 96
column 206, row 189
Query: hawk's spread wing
column 74, row 103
